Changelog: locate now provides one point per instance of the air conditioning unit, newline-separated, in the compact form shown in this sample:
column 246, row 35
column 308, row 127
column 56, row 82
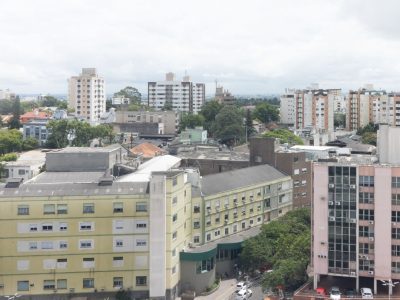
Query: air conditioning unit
column 353, row 220
column 331, row 185
column 1, row 285
column 394, row 224
column 353, row 273
column 371, row 239
column 371, row 222
column 338, row 203
column 371, row 272
column 331, row 218
column 352, row 186
column 360, row 256
column 330, row 202
column 72, row 290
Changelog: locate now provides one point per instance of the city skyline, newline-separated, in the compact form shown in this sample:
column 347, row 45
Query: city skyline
column 257, row 48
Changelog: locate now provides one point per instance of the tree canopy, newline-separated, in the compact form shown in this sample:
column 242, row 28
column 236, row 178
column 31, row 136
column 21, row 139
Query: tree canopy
column 228, row 125
column 209, row 111
column 368, row 133
column 130, row 92
column 283, row 246
column 16, row 111
column 266, row 112
column 285, row 136
column 77, row 132
column 189, row 120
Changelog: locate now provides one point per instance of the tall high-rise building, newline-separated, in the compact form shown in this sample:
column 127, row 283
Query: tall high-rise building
column 287, row 109
column 356, row 215
column 184, row 96
column 87, row 96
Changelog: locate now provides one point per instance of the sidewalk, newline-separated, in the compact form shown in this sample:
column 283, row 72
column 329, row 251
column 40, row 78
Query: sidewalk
column 224, row 292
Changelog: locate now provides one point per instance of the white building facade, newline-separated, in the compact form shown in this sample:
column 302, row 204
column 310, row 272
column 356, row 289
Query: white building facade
column 183, row 96
column 87, row 95
column 287, row 108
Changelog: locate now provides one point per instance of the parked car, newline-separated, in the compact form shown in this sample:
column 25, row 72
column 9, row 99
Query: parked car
column 321, row 291
column 350, row 293
column 241, row 285
column 366, row 293
column 244, row 294
column 334, row 293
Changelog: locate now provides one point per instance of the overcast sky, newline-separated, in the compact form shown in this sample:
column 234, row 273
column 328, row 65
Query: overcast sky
column 249, row 46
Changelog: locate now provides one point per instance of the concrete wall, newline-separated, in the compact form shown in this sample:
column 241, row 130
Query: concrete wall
column 191, row 280
column 213, row 166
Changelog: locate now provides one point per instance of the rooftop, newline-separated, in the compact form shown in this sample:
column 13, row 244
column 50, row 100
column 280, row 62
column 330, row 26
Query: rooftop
column 231, row 180
column 109, row 148
column 30, row 158
column 212, row 152
column 148, row 150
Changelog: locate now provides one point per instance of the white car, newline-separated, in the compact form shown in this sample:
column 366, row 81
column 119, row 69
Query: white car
column 334, row 293
column 366, row 293
column 243, row 294
column 240, row 286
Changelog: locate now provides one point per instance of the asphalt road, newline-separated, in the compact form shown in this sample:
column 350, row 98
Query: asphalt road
column 257, row 292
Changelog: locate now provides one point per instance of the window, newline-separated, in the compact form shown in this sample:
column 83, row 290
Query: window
column 63, row 226
column 174, row 217
column 32, row 245
column 396, row 233
column 174, row 235
column 175, row 200
column 62, row 209
column 208, row 237
column 366, row 181
column 217, row 218
column 173, row 270
column 33, row 227
column 21, row 172
column 23, row 285
column 47, row 245
column 85, row 244
column 395, row 216
column 47, row 227
column 88, row 283
column 61, row 284
column 141, row 207
column 85, row 226
column 196, row 239
column 395, row 250
column 118, row 207
column 49, row 209
column 208, row 221
column 366, row 214
column 204, row 265
column 367, row 197
column 119, row 243
column 118, row 282
column 23, row 210
column 118, row 261
column 88, row 208
column 395, row 182
column 366, row 265
column 196, row 208
column 141, row 243
column 49, row 284
column 365, row 248
column 226, row 231
column 141, row 280
column 119, row 225
column 395, row 199
column 217, row 233
column 63, row 244
column 141, row 225
column 175, row 181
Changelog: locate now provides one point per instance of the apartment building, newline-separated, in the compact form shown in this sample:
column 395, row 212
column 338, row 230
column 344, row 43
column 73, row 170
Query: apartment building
column 224, row 214
column 356, row 215
column 168, row 119
column 87, row 95
column 366, row 106
column 224, row 96
column 183, row 96
column 81, row 230
column 289, row 161
column 287, row 107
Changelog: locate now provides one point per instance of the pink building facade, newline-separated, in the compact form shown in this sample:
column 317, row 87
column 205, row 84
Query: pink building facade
column 356, row 221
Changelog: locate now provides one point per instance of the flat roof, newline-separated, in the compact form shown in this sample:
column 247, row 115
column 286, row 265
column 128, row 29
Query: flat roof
column 157, row 164
column 313, row 148
column 109, row 148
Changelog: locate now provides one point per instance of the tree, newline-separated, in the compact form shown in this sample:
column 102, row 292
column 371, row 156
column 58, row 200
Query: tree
column 49, row 101
column 58, row 137
column 130, row 92
column 369, row 138
column 189, row 120
column 168, row 105
column 209, row 111
column 266, row 112
column 283, row 246
column 228, row 125
column 6, row 107
column 339, row 120
column 285, row 136
column 122, row 295
column 249, row 123
column 10, row 141
column 29, row 144
column 15, row 123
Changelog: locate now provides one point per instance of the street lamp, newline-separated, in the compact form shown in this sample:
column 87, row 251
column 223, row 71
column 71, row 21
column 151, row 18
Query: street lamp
column 390, row 284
